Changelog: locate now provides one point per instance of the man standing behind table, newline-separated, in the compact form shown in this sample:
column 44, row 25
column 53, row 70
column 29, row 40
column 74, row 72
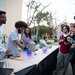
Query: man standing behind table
column 2, row 21
column 2, row 17
column 13, row 39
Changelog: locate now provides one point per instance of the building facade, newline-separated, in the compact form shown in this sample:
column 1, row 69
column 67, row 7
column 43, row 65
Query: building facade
column 13, row 10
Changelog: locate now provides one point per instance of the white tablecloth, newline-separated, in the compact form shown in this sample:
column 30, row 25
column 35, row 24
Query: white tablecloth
column 28, row 60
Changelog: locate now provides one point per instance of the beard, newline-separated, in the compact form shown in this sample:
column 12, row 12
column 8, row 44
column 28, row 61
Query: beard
column 19, row 31
column 3, row 22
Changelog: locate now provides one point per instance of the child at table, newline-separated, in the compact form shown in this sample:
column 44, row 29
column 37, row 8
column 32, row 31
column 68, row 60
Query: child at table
column 27, row 41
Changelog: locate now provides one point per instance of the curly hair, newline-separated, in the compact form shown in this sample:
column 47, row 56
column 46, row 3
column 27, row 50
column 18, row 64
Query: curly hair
column 20, row 24
column 67, row 27
column 2, row 12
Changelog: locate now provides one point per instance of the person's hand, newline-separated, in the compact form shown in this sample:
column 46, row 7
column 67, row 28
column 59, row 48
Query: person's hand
column 73, row 46
column 66, row 43
column 49, row 46
column 61, row 40
column 24, row 49
column 69, row 39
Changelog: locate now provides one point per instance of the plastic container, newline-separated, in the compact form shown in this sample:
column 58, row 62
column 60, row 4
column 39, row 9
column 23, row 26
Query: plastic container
column 44, row 49
column 28, row 52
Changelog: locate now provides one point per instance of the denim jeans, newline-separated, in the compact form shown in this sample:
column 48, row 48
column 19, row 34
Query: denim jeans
column 62, row 58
